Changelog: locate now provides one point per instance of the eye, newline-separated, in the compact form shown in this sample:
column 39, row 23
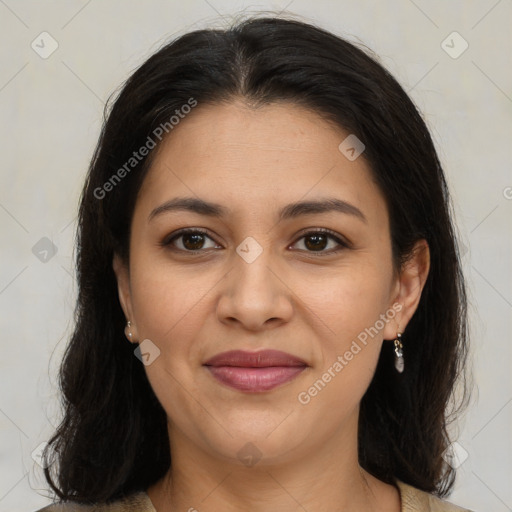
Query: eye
column 194, row 241
column 318, row 240
column 189, row 240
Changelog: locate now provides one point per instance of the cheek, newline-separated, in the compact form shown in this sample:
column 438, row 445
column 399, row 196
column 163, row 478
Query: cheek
column 348, row 307
column 164, row 297
column 345, row 302
column 170, row 306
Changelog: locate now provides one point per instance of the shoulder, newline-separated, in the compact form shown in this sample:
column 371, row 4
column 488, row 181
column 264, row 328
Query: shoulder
column 414, row 500
column 137, row 502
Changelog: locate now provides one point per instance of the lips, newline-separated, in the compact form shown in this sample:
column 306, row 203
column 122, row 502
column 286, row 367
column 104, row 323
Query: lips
column 254, row 371
column 262, row 359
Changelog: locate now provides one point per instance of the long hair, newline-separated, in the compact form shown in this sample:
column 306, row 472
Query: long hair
column 113, row 438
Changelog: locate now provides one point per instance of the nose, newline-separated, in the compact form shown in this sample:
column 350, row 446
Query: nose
column 255, row 295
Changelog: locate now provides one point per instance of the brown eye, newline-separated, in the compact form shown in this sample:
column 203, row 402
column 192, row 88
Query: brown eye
column 318, row 241
column 192, row 240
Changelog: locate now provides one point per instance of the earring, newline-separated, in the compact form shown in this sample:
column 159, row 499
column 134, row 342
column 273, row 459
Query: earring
column 128, row 329
column 399, row 355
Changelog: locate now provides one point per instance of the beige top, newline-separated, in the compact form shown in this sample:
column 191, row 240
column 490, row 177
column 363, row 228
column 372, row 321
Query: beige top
column 413, row 500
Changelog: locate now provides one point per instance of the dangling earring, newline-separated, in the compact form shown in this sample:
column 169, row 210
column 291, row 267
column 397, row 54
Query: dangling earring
column 399, row 355
column 128, row 329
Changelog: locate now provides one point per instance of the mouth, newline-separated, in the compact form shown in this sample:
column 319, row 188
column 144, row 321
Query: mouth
column 254, row 371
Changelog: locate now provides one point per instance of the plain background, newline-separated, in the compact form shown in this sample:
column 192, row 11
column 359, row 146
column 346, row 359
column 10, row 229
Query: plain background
column 51, row 111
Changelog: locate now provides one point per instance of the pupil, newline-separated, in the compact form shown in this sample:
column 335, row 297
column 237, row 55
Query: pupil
column 318, row 242
column 196, row 243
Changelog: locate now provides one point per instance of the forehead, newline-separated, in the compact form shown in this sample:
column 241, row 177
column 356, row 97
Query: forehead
column 253, row 158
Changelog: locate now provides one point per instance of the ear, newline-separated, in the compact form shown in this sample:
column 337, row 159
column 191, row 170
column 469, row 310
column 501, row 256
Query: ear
column 408, row 288
column 123, row 287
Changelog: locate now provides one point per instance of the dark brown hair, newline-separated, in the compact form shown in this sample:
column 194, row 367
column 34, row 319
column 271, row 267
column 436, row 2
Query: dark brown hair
column 113, row 437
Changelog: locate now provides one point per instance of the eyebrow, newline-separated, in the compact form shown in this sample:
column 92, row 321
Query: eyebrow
column 292, row 210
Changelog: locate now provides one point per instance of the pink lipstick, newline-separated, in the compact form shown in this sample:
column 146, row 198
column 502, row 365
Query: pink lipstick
column 254, row 371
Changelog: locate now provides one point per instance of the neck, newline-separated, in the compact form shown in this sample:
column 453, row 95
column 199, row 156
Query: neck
column 330, row 478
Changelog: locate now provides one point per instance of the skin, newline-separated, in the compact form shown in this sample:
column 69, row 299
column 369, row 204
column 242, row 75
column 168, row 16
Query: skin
column 291, row 298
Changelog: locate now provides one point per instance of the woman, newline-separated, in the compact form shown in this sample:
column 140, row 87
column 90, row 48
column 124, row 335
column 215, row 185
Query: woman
column 271, row 310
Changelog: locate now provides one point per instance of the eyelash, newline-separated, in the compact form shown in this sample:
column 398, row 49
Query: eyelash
column 332, row 235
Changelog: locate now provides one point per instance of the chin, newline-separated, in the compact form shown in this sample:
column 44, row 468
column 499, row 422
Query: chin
column 265, row 439
column 252, row 450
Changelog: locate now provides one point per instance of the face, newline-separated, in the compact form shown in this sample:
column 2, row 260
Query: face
column 256, row 271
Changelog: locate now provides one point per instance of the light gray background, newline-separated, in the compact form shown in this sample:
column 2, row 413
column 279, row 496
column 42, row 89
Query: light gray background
column 51, row 116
